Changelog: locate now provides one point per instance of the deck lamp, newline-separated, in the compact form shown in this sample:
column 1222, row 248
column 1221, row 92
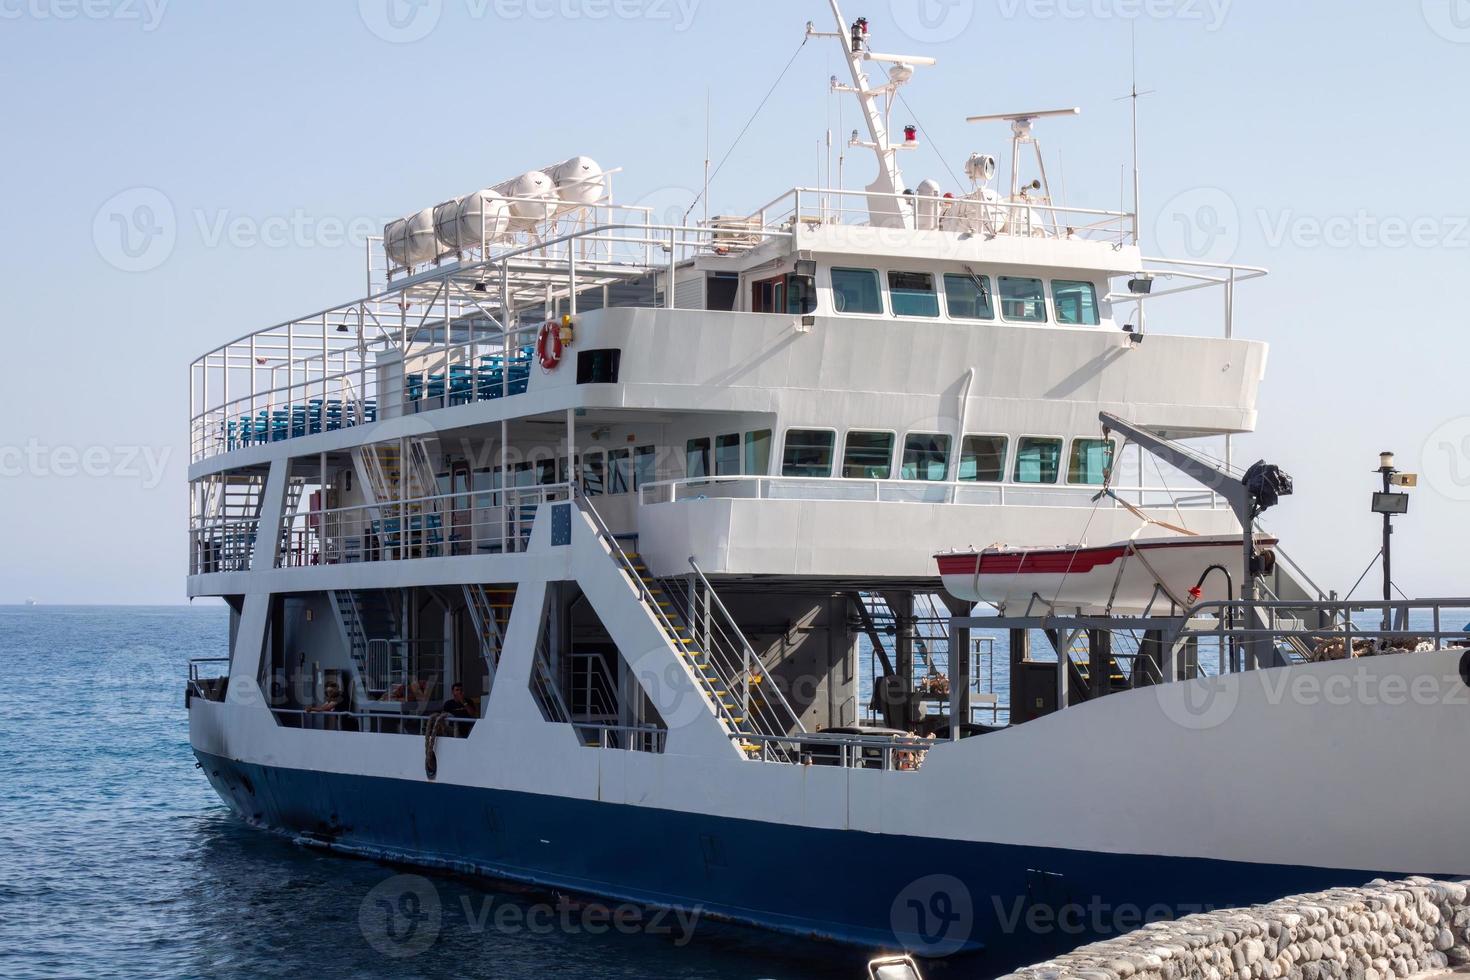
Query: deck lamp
column 1141, row 284
column 1390, row 503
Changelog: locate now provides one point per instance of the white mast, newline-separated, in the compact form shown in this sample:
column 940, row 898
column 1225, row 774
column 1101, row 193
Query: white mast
column 884, row 208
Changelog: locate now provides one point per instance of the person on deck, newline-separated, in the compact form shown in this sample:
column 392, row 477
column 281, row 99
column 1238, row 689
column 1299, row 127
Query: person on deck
column 458, row 706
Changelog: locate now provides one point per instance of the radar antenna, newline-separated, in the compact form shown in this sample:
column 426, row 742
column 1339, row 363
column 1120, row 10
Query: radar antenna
column 1022, row 133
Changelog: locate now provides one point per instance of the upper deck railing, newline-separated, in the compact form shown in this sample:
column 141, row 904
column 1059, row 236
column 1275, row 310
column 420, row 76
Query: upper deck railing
column 319, row 372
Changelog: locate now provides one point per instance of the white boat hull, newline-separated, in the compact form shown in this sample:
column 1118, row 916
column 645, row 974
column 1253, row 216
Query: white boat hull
column 1125, row 576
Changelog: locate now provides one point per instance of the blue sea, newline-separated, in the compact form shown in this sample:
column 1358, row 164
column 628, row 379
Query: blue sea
column 117, row 859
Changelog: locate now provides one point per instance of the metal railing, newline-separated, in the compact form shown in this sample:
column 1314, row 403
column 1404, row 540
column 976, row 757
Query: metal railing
column 205, row 680
column 815, row 207
column 918, row 491
column 222, row 545
column 848, row 751
column 1387, row 627
column 370, row 722
column 321, row 371
column 475, row 522
column 718, row 637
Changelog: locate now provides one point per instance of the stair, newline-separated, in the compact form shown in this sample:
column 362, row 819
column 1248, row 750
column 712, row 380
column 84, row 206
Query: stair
column 717, row 657
column 365, row 616
column 489, row 608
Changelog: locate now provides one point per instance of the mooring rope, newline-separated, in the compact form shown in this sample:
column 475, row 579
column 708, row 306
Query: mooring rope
column 437, row 724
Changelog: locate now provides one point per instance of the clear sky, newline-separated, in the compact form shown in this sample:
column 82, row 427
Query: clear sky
column 180, row 172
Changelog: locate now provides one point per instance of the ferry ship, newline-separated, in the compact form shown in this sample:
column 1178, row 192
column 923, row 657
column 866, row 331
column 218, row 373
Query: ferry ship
column 553, row 558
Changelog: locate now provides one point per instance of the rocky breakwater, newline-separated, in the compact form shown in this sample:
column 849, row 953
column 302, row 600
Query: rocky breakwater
column 1380, row 931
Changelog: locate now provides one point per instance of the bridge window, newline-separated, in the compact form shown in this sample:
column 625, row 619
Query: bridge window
column 983, row 459
column 925, row 457
column 1022, row 300
column 758, row 452
column 727, row 455
column 867, row 456
column 620, row 471
column 594, row 472
column 1038, row 460
column 1075, row 302
column 1090, row 461
column 808, row 452
column 696, row 458
column 856, row 291
column 912, row 293
column 645, row 470
column 968, row 297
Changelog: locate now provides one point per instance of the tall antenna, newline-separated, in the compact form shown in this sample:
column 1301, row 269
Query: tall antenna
column 1133, row 95
column 704, row 194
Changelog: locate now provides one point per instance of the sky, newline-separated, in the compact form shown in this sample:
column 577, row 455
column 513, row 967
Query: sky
column 179, row 173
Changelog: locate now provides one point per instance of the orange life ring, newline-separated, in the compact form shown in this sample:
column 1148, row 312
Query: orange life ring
column 548, row 345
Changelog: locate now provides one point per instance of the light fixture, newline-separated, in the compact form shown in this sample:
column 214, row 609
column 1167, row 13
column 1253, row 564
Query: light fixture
column 341, row 328
column 910, row 134
column 1385, row 461
column 1141, row 284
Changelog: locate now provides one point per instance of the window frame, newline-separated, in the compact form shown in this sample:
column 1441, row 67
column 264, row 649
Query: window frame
column 1072, row 448
column 948, row 438
column 1005, row 456
column 691, row 447
column 832, row 461
column 714, row 458
column 1061, row 461
column 878, row 280
column 988, row 288
column 1056, row 304
column 888, row 275
column 841, row 464
column 746, row 462
column 1000, row 282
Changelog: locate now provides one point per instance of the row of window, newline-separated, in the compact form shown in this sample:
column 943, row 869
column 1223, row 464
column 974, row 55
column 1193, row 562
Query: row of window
column 813, row 453
column 966, row 296
column 869, row 455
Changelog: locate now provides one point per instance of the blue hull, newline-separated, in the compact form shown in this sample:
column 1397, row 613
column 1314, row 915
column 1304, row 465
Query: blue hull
column 1017, row 904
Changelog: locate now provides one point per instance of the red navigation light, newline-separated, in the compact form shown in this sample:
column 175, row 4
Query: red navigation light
column 910, row 133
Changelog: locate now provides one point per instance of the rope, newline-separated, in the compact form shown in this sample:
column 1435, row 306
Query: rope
column 769, row 92
column 438, row 723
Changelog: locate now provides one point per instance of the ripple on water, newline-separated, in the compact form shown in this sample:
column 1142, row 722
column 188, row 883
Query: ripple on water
column 117, row 859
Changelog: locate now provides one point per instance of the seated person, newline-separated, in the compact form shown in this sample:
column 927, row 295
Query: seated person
column 458, row 705
column 336, row 700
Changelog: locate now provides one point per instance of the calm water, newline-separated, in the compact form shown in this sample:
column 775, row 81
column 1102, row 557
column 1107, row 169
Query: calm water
column 116, row 858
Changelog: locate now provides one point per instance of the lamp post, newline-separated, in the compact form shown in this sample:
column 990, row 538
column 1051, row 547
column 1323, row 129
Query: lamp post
column 1389, row 503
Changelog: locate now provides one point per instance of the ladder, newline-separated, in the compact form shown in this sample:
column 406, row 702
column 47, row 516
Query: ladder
column 365, row 617
column 489, row 610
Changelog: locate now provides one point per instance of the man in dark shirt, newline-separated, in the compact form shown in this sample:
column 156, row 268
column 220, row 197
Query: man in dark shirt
column 457, row 706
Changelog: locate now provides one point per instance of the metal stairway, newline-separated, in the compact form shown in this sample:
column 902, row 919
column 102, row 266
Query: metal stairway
column 365, row 616
column 716, row 655
column 489, row 610
column 930, row 636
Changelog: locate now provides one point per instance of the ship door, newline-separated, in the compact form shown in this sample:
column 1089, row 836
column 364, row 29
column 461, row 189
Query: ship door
column 461, row 531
